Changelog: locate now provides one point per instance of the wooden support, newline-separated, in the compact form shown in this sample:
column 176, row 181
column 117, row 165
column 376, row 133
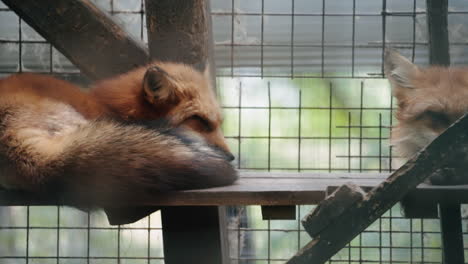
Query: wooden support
column 262, row 188
column 332, row 207
column 437, row 26
column 255, row 188
column 452, row 235
column 84, row 34
column 191, row 235
column 449, row 213
column 438, row 55
column 278, row 212
column 180, row 31
column 450, row 146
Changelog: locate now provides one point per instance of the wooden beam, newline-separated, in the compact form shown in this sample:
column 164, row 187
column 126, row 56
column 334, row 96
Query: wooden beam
column 253, row 188
column 84, row 34
column 191, row 235
column 179, row 30
column 332, row 207
column 262, row 188
column 450, row 146
column 437, row 26
column 452, row 234
column 439, row 54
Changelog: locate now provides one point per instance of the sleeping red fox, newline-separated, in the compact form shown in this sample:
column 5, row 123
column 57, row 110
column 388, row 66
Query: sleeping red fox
column 429, row 101
column 99, row 148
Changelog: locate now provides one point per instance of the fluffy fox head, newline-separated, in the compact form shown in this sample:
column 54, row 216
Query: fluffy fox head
column 429, row 100
column 173, row 91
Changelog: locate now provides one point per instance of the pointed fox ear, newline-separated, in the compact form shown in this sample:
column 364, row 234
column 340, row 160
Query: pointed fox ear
column 398, row 69
column 158, row 85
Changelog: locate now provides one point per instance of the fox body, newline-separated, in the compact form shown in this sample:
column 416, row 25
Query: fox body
column 429, row 101
column 102, row 147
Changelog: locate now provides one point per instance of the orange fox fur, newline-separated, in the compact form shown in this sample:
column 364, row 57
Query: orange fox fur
column 100, row 148
column 429, row 101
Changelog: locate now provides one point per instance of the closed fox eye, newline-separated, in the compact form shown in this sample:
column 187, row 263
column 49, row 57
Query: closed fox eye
column 198, row 123
column 438, row 119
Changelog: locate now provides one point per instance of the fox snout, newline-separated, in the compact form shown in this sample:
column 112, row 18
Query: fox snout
column 216, row 138
column 227, row 154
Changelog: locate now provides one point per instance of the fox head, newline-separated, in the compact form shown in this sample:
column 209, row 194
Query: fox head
column 429, row 101
column 175, row 92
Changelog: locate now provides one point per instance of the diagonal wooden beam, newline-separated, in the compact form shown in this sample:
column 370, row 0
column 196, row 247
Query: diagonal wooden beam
column 87, row 36
column 447, row 153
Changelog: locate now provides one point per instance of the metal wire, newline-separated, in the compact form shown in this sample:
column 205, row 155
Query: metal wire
column 253, row 60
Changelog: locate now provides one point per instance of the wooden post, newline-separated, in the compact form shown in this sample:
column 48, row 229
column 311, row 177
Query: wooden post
column 449, row 213
column 180, row 31
column 438, row 32
column 84, row 34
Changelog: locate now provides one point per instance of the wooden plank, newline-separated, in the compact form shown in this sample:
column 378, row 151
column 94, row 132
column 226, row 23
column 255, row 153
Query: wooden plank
column 278, row 212
column 451, row 146
column 248, row 190
column 292, row 189
column 84, row 34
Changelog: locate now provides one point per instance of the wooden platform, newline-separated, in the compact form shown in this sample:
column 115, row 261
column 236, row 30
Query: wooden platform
column 266, row 188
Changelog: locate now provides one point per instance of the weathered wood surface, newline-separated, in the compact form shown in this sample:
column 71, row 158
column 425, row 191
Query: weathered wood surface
column 450, row 146
column 332, row 207
column 84, row 34
column 264, row 188
column 253, row 188
column 179, row 30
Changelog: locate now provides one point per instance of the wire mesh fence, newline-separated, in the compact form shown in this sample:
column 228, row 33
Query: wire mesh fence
column 302, row 89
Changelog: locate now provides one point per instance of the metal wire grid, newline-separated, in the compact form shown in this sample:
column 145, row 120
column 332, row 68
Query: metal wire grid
column 53, row 234
column 266, row 47
column 249, row 70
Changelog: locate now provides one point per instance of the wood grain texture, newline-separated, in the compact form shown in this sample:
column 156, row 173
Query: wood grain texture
column 332, row 207
column 88, row 37
column 263, row 188
column 178, row 30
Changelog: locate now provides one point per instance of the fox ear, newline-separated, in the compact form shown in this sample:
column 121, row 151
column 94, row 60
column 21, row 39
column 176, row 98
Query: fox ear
column 158, row 84
column 398, row 69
